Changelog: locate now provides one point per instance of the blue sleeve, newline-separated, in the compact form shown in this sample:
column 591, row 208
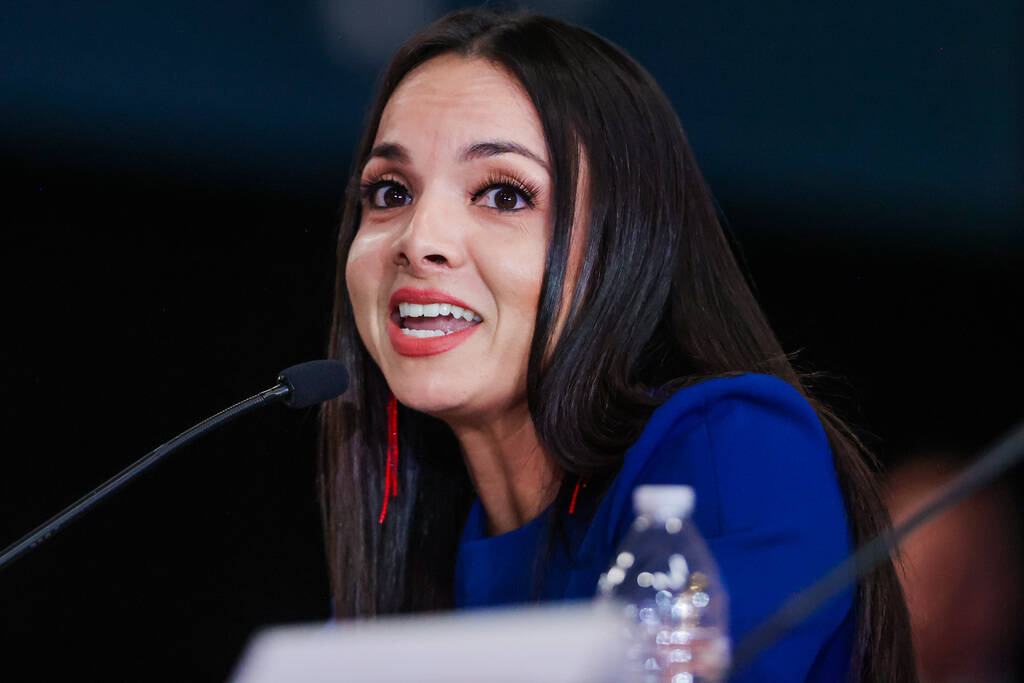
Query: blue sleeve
column 769, row 505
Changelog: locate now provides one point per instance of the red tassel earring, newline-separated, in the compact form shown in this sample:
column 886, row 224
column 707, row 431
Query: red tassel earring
column 575, row 494
column 391, row 465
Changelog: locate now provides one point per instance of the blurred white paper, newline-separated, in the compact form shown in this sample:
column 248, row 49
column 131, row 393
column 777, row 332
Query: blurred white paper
column 561, row 644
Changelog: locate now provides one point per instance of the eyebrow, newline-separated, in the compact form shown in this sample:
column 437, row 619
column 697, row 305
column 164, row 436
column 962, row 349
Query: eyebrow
column 392, row 151
column 493, row 148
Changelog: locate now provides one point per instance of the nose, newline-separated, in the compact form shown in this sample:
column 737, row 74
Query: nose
column 430, row 241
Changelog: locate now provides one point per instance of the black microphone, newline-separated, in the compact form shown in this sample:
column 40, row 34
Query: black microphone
column 299, row 386
column 313, row 382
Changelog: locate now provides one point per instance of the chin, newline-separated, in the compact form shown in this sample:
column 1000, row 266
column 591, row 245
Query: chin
column 435, row 396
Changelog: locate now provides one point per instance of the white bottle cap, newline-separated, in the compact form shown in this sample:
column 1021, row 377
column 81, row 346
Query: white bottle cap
column 664, row 502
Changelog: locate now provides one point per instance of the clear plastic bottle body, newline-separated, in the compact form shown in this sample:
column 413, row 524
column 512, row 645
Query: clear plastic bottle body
column 675, row 610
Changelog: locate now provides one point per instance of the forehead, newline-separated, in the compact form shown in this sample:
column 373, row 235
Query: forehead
column 457, row 99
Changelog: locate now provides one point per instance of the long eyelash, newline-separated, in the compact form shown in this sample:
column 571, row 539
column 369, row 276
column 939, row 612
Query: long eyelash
column 529, row 190
column 370, row 185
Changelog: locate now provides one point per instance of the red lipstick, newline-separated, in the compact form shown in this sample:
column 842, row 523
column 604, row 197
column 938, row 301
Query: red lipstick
column 406, row 345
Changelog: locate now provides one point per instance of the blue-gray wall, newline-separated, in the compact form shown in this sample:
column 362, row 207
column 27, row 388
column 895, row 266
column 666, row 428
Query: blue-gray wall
column 898, row 113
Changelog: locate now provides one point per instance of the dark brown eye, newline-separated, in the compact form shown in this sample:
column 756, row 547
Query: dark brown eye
column 504, row 198
column 390, row 195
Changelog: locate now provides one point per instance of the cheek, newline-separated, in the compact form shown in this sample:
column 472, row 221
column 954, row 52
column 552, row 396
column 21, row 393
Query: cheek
column 364, row 275
column 515, row 274
column 526, row 280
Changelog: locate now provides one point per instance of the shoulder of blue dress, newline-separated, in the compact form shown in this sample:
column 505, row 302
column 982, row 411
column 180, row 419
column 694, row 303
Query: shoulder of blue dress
column 689, row 417
column 698, row 399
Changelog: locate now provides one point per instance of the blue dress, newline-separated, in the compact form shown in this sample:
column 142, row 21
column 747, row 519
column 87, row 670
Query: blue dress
column 768, row 504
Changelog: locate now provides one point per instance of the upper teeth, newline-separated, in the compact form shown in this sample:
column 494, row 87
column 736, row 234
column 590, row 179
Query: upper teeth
column 407, row 310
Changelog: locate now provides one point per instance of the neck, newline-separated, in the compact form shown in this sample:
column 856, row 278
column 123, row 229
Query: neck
column 512, row 474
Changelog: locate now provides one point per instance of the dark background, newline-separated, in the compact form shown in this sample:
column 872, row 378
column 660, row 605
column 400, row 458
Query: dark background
column 172, row 174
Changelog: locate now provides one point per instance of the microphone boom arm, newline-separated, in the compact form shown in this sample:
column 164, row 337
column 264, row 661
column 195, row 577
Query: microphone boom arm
column 278, row 393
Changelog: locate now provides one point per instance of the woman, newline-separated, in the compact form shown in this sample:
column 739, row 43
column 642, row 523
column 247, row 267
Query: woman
column 541, row 312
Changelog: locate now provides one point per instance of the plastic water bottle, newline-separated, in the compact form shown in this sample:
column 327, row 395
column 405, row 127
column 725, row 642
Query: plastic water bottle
column 666, row 584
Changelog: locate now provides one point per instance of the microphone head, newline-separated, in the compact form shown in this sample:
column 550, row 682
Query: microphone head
column 313, row 382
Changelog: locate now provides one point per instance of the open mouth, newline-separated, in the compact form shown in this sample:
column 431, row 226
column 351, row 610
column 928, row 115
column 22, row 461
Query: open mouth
column 433, row 319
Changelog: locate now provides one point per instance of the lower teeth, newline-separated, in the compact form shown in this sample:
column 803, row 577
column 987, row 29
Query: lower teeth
column 423, row 333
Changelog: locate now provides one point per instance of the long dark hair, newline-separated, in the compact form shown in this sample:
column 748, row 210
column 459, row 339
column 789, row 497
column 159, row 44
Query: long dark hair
column 659, row 302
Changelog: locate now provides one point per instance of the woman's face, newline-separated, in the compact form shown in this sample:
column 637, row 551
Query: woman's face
column 445, row 271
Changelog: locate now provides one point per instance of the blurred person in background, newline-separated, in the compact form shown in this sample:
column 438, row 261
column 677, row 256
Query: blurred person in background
column 961, row 576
